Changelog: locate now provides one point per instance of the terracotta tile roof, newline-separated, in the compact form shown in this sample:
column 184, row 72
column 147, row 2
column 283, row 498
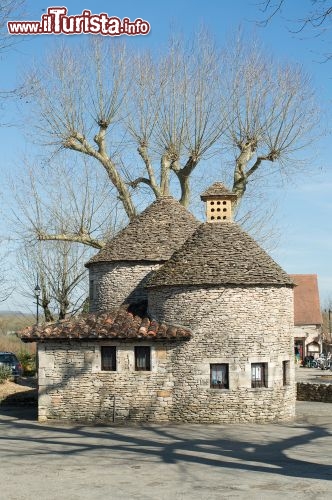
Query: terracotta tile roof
column 119, row 324
column 307, row 309
column 217, row 189
column 152, row 236
column 220, row 254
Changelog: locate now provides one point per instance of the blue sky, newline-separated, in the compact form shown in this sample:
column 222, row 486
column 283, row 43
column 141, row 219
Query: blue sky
column 305, row 205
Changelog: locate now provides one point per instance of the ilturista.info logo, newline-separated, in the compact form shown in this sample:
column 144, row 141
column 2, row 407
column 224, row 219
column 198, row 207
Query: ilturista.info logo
column 56, row 22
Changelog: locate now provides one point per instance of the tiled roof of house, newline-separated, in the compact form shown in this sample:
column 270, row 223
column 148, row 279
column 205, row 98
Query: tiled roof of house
column 116, row 325
column 307, row 309
column 220, row 254
column 152, row 236
column 217, row 189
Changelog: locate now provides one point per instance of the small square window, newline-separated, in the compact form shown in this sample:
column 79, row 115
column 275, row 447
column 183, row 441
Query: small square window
column 258, row 375
column 285, row 372
column 142, row 358
column 108, row 358
column 92, row 290
column 219, row 376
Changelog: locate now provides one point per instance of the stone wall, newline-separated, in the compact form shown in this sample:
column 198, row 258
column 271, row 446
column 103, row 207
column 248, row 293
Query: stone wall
column 73, row 387
column 108, row 294
column 314, row 392
column 237, row 326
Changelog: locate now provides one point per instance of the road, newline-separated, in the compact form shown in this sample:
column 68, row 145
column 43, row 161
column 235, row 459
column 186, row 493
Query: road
column 162, row 462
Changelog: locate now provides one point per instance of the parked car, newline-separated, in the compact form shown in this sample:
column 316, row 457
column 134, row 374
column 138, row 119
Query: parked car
column 9, row 359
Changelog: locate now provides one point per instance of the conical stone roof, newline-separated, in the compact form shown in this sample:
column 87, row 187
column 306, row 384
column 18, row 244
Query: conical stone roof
column 220, row 254
column 154, row 235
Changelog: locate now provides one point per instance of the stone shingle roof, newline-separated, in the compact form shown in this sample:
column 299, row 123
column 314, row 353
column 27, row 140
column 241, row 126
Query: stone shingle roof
column 217, row 189
column 119, row 324
column 153, row 235
column 307, row 310
column 220, row 254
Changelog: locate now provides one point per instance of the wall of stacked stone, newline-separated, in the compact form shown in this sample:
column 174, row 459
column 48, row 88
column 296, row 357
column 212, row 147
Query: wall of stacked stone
column 235, row 325
column 314, row 392
column 238, row 326
column 108, row 294
column 73, row 387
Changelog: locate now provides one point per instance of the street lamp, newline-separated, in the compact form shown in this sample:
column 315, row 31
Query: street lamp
column 37, row 294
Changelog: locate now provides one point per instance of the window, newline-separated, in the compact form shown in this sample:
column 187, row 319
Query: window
column 142, row 358
column 259, row 375
column 108, row 358
column 285, row 372
column 92, row 290
column 219, row 376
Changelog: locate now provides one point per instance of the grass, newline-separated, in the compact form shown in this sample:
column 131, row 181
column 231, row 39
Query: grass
column 13, row 344
column 9, row 341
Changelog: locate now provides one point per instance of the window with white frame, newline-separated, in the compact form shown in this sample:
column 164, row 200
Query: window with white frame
column 258, row 375
column 142, row 358
column 219, row 376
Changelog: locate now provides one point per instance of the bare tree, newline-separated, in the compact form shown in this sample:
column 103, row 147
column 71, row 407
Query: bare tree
column 315, row 21
column 6, row 288
column 58, row 267
column 327, row 323
column 72, row 200
column 270, row 115
column 171, row 113
column 8, row 8
column 316, row 17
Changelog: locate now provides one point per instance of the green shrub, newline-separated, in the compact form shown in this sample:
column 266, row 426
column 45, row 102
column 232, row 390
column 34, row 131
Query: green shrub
column 5, row 373
column 28, row 362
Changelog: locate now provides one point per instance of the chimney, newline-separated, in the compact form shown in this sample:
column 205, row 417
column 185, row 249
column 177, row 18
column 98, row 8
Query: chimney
column 218, row 201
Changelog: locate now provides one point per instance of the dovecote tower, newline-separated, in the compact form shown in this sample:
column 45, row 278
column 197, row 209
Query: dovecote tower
column 219, row 203
column 118, row 272
column 238, row 304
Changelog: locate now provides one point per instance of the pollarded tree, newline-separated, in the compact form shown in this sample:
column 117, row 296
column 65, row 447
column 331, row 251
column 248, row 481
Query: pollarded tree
column 172, row 113
column 269, row 116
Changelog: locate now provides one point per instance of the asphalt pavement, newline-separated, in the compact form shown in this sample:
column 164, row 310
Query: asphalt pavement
column 176, row 462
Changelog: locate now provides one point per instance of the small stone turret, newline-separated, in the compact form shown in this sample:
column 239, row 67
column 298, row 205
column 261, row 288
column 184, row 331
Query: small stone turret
column 219, row 201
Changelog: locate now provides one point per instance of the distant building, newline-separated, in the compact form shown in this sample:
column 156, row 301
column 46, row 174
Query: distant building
column 308, row 319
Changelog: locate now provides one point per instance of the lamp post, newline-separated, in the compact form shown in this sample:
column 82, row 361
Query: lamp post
column 37, row 294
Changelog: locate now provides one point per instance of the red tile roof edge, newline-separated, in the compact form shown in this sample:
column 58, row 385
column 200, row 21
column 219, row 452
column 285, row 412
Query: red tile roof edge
column 116, row 325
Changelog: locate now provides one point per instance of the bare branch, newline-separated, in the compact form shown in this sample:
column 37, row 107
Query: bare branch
column 9, row 9
column 314, row 22
column 85, row 239
column 139, row 180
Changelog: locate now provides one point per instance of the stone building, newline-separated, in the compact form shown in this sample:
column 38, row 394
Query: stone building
column 119, row 271
column 190, row 323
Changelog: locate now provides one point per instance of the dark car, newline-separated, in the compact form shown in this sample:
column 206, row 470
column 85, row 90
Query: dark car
column 9, row 359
